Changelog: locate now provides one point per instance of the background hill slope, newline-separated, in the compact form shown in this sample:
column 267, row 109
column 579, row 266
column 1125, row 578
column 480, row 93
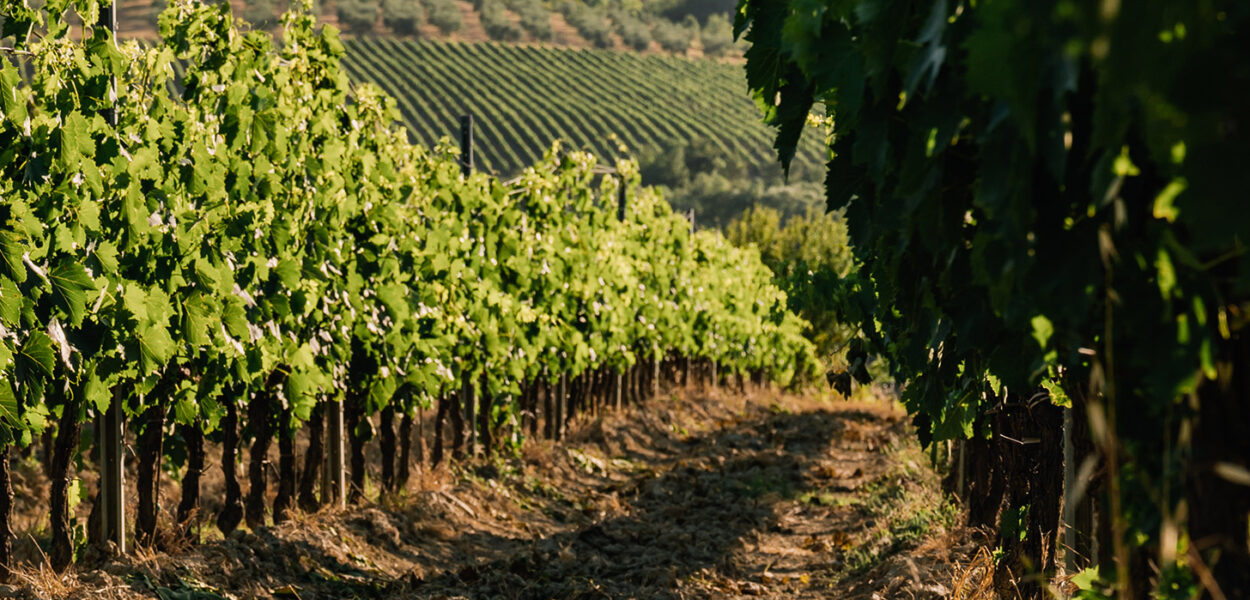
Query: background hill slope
column 523, row 98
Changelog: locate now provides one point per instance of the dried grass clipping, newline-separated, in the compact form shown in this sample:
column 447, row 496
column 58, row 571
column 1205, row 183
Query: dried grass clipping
column 976, row 580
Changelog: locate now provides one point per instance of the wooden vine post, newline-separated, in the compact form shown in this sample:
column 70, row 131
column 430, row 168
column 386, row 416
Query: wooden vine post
column 685, row 374
column 469, row 401
column 618, row 388
column 334, row 479
column 466, row 144
column 561, row 394
column 466, row 391
column 618, row 391
column 111, row 426
column 620, row 201
column 111, row 435
column 655, row 373
column 1070, row 501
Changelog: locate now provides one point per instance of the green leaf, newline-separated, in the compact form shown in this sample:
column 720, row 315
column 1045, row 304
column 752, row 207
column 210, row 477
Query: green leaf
column 394, row 298
column 136, row 213
column 36, row 354
column 145, row 164
column 70, row 283
column 1090, row 581
column 1058, row 397
column 136, row 302
column 1165, row 202
column 10, row 302
column 1123, row 165
column 12, row 94
column 76, row 142
column 10, row 411
column 1166, row 276
column 207, row 275
column 1206, row 356
column 95, row 392
column 1042, row 330
column 288, row 272
column 106, row 254
column 156, row 347
column 151, row 310
column 234, row 316
column 197, row 320
column 11, row 258
column 185, row 407
column 89, row 210
column 1014, row 522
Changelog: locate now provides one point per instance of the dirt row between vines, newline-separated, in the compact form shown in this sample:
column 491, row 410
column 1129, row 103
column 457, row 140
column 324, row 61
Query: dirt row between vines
column 698, row 495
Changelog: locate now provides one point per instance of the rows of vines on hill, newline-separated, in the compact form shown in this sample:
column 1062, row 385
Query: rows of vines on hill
column 523, row 98
column 1047, row 202
column 257, row 239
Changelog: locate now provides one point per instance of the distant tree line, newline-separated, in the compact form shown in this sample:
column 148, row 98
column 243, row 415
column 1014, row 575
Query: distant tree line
column 673, row 26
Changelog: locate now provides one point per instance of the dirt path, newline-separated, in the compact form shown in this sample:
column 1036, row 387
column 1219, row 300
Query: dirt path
column 698, row 497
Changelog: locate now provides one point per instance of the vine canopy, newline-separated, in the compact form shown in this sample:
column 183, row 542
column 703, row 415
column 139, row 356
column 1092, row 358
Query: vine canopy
column 1041, row 195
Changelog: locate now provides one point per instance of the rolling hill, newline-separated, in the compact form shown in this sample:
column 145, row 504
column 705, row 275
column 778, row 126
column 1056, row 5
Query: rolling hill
column 525, row 97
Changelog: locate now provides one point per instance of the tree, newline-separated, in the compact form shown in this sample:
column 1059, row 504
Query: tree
column 444, row 14
column 674, row 37
column 358, row 16
column 805, row 253
column 633, row 31
column 496, row 22
column 717, row 35
column 402, row 16
column 591, row 23
column 535, row 18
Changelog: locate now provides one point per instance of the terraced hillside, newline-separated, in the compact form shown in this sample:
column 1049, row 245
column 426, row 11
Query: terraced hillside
column 525, row 97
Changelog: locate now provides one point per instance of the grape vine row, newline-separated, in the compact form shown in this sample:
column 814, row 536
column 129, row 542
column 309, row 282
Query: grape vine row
column 255, row 241
column 1046, row 202
column 592, row 99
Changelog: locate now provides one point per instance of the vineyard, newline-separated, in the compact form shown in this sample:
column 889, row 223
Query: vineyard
column 231, row 259
column 264, row 254
column 525, row 97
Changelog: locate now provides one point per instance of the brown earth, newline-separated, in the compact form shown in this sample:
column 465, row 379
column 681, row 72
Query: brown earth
column 700, row 495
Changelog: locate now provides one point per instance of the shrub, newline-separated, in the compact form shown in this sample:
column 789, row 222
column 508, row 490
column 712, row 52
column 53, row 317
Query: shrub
column 496, row 22
column 699, row 9
column 664, row 166
column 635, row 33
column 591, row 23
column 673, row 37
column 358, row 16
column 717, row 35
column 402, row 16
column 443, row 14
column 535, row 18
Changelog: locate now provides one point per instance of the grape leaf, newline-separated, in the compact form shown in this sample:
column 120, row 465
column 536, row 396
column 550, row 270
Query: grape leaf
column 70, row 283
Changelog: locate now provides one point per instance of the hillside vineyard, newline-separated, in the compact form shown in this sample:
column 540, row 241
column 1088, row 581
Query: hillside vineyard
column 525, row 97
column 266, row 247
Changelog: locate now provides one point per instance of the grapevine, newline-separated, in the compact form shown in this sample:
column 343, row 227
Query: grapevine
column 254, row 241
column 1043, row 201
